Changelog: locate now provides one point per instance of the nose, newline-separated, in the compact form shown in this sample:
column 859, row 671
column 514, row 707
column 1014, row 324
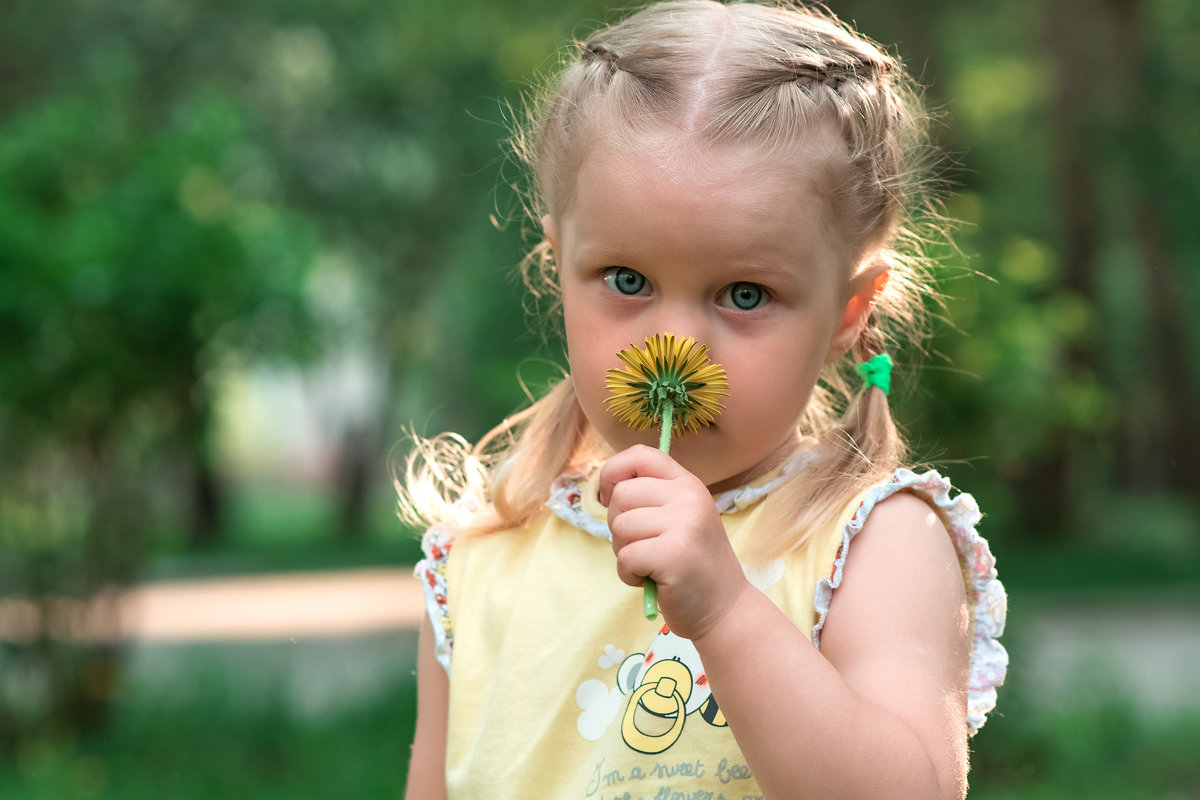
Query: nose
column 683, row 319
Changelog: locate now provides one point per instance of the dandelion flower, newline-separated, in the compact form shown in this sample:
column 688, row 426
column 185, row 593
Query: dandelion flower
column 670, row 383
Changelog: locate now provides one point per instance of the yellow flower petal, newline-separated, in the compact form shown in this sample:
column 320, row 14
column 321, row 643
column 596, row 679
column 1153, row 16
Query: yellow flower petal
column 667, row 368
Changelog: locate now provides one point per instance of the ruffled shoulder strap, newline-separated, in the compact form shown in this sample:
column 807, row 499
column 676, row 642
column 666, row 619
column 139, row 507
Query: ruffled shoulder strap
column 431, row 571
column 989, row 604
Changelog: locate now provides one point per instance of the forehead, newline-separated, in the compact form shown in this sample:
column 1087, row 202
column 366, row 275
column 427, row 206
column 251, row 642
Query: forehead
column 813, row 161
column 662, row 184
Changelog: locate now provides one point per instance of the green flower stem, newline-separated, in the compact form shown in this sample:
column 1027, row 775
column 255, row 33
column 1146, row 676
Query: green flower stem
column 650, row 599
column 649, row 588
column 664, row 437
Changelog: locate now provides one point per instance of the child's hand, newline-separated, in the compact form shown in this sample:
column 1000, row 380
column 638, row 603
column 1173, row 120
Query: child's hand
column 665, row 526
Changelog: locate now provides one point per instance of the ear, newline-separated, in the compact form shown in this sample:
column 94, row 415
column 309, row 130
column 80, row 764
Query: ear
column 865, row 286
column 550, row 231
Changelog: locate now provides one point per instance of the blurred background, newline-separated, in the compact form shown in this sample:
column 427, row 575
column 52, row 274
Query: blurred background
column 245, row 245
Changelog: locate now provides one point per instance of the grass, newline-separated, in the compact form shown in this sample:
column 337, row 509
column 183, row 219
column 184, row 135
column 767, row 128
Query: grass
column 208, row 733
column 1089, row 738
column 204, row 731
column 1105, row 752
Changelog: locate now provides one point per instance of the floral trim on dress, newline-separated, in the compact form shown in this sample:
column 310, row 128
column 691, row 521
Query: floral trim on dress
column 566, row 496
column 431, row 571
column 566, row 501
column 989, row 659
column 739, row 499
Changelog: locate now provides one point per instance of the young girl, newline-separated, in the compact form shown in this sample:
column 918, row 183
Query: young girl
column 739, row 174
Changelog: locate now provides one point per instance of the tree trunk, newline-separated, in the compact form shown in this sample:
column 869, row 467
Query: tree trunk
column 1160, row 448
column 1055, row 476
column 205, row 491
column 356, row 469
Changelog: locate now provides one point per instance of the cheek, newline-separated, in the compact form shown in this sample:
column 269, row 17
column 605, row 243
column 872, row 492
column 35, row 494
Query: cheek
column 769, row 388
column 589, row 384
column 766, row 405
column 581, row 334
column 589, row 359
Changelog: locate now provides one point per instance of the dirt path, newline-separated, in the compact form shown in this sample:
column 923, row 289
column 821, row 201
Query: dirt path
column 1141, row 648
column 1144, row 649
column 297, row 605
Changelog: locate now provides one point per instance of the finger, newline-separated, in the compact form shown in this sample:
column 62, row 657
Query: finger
column 638, row 461
column 639, row 492
column 636, row 562
column 636, row 524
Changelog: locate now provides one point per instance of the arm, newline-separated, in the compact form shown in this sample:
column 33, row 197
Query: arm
column 878, row 712
column 427, row 767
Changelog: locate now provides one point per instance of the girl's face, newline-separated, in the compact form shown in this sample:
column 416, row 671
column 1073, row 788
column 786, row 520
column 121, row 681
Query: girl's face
column 734, row 246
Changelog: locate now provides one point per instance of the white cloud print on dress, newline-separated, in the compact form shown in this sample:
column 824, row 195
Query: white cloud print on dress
column 600, row 706
column 612, row 656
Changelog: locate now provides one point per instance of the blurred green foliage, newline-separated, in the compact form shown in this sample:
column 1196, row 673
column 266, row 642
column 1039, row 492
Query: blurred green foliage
column 190, row 189
column 1080, row 351
column 216, row 737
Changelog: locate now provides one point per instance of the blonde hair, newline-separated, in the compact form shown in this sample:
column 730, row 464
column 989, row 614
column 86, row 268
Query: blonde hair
column 743, row 73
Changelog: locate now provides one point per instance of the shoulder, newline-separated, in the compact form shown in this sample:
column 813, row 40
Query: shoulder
column 906, row 534
column 900, row 570
column 911, row 509
column 912, row 562
column 904, row 540
column 913, row 492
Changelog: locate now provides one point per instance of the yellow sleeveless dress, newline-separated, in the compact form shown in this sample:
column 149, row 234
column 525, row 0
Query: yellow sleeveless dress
column 560, row 688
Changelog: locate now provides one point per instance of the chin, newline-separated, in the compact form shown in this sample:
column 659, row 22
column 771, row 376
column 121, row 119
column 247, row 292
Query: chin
column 708, row 464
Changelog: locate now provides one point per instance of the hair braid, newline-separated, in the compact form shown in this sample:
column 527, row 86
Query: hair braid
column 596, row 53
column 871, row 340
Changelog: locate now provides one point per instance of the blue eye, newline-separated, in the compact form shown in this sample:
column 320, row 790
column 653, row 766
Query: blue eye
column 625, row 280
column 744, row 296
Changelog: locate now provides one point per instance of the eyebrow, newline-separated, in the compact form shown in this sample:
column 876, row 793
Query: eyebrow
column 617, row 257
column 765, row 272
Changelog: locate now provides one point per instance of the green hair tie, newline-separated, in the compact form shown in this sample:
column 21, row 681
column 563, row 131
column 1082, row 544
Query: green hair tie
column 877, row 372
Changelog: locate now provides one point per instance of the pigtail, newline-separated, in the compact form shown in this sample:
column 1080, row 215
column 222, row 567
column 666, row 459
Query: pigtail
column 868, row 422
column 850, row 455
column 503, row 481
column 548, row 439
